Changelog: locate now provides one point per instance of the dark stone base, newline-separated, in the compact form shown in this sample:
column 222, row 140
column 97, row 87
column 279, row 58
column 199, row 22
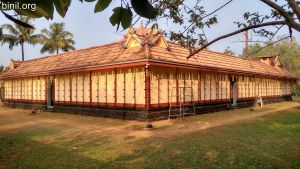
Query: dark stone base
column 134, row 114
column 201, row 109
column 40, row 106
column 104, row 112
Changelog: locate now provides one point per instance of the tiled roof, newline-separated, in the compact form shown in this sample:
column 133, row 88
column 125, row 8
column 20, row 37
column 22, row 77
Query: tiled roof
column 114, row 53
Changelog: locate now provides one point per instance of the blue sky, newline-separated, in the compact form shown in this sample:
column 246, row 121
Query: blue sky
column 92, row 29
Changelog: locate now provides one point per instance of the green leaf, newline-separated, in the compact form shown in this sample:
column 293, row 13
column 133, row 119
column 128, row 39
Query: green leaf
column 101, row 5
column 121, row 15
column 144, row 8
column 62, row 6
column 26, row 25
column 43, row 9
column 115, row 18
column 126, row 18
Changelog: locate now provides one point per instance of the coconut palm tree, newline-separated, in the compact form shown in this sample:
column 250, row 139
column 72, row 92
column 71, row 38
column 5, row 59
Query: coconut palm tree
column 57, row 39
column 19, row 35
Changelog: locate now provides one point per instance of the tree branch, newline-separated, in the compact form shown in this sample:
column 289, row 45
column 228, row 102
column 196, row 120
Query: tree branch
column 289, row 19
column 295, row 7
column 216, row 10
column 237, row 32
column 269, row 45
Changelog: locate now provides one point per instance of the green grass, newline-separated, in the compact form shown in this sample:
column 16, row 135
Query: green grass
column 271, row 141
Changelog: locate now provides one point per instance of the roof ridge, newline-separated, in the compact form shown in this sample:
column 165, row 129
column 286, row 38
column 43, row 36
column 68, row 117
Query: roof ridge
column 79, row 50
column 207, row 50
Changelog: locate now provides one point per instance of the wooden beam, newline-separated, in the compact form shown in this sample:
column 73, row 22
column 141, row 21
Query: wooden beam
column 147, row 86
column 91, row 91
column 70, row 83
column 177, row 86
column 115, row 71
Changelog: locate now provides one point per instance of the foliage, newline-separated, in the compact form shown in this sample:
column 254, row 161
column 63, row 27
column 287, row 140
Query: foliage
column 192, row 19
column 57, row 38
column 19, row 35
column 228, row 51
column 267, row 142
column 288, row 51
column 3, row 68
column 122, row 15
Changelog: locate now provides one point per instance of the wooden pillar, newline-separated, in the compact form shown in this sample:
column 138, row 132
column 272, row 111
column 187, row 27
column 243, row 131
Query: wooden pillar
column 158, row 89
column 199, row 86
column 46, row 89
column 134, row 86
column 124, row 88
column 64, row 89
column 32, row 89
column 115, row 71
column 53, row 91
column 147, row 86
column 230, row 78
column 204, row 87
column 218, row 86
column 168, row 76
column 183, row 90
column 70, row 88
column 210, row 93
column 91, row 91
column 12, row 89
column 221, row 88
column 106, row 89
column 237, row 88
column 177, row 86
column 21, row 90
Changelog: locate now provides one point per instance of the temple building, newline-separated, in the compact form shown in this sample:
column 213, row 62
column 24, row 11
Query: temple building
column 139, row 76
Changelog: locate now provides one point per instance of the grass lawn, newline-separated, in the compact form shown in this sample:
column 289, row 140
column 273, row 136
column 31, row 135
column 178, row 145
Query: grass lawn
column 264, row 138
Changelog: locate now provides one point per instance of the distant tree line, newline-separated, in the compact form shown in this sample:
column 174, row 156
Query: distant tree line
column 53, row 40
column 289, row 51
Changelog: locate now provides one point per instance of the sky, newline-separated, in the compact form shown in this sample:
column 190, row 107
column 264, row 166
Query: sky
column 94, row 29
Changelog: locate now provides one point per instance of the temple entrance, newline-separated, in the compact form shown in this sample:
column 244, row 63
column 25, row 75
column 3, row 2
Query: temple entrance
column 50, row 92
column 234, row 91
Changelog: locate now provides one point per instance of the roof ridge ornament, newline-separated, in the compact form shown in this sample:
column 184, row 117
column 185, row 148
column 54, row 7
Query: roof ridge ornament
column 140, row 36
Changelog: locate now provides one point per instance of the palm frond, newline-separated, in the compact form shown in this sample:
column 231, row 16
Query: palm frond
column 10, row 29
column 56, row 38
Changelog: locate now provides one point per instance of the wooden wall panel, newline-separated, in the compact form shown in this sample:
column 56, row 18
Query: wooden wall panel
column 207, row 86
column 86, row 87
column 213, row 86
column 172, row 84
column 130, row 86
column 202, row 85
column 95, row 85
column 140, row 85
column 154, row 86
column 195, row 85
column 80, row 87
column 102, row 86
column 74, row 79
column 120, row 86
column 8, row 87
column 67, row 93
column 110, row 85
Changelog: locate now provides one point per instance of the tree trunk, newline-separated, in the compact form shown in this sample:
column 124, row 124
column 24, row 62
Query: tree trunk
column 57, row 51
column 22, row 47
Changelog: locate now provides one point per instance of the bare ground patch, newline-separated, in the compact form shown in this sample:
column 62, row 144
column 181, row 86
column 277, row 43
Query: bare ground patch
column 77, row 126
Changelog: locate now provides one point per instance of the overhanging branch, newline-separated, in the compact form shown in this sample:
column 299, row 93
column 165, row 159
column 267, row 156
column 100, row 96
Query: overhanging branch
column 293, row 4
column 290, row 21
column 237, row 32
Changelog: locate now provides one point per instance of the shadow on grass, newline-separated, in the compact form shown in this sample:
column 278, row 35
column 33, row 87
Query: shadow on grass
column 271, row 141
column 21, row 152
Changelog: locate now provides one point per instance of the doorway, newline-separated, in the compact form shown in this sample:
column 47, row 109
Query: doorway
column 50, row 92
column 234, row 91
